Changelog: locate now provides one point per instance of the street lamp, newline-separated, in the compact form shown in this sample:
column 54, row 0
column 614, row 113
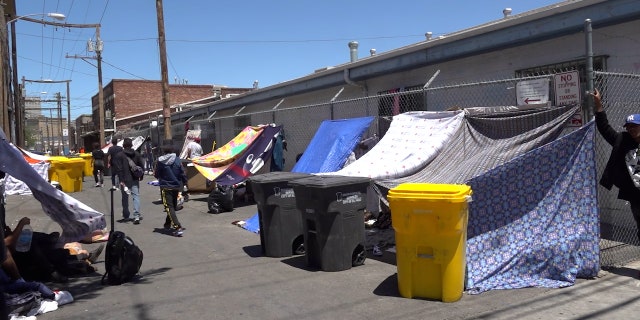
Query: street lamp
column 55, row 15
column 17, row 136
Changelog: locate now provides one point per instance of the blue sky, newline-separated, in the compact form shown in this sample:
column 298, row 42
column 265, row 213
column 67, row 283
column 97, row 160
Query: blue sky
column 226, row 42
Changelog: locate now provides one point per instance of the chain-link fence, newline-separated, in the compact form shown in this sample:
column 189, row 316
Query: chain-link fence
column 620, row 91
column 618, row 232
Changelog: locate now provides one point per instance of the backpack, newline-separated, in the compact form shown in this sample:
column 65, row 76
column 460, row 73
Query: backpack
column 220, row 199
column 136, row 171
column 122, row 260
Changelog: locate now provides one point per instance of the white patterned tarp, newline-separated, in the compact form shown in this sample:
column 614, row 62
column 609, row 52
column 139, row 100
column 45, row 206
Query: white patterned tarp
column 486, row 141
column 534, row 220
column 15, row 186
column 412, row 141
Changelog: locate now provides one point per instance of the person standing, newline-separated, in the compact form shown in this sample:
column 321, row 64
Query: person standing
column 623, row 167
column 111, row 153
column 194, row 149
column 97, row 158
column 171, row 178
column 129, row 185
column 147, row 151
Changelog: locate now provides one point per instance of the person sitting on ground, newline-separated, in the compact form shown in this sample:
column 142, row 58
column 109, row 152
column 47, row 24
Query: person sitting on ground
column 45, row 261
column 12, row 282
column 171, row 178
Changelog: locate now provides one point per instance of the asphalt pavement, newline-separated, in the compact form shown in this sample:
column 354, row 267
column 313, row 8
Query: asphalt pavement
column 217, row 271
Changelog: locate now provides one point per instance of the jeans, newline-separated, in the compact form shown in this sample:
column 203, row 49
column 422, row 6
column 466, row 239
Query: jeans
column 135, row 195
column 20, row 286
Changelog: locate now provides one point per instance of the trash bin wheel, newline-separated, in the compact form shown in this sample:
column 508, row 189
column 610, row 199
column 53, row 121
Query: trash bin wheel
column 298, row 245
column 358, row 257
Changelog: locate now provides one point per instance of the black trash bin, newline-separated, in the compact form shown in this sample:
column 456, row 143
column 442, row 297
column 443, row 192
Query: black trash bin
column 332, row 209
column 281, row 233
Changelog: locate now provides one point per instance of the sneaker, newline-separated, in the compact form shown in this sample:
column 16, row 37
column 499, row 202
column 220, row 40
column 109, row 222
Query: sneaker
column 178, row 232
column 63, row 297
column 97, row 185
column 124, row 220
column 136, row 221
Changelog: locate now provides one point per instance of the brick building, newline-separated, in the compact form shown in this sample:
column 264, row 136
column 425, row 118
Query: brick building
column 130, row 102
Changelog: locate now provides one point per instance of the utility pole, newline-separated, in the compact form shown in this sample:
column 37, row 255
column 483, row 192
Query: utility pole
column 98, row 49
column 58, row 100
column 60, row 141
column 166, row 107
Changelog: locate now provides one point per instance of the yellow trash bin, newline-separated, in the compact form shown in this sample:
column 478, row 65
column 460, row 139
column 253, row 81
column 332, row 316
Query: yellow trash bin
column 68, row 172
column 430, row 223
column 54, row 162
column 88, row 168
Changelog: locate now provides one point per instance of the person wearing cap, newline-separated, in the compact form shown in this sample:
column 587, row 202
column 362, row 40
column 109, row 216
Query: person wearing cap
column 623, row 167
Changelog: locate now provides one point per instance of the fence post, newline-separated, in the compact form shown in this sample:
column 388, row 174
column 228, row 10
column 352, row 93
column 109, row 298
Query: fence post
column 588, row 32
column 426, row 85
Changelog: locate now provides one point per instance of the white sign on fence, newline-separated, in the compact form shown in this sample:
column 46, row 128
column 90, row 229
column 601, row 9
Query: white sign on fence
column 532, row 91
column 567, row 86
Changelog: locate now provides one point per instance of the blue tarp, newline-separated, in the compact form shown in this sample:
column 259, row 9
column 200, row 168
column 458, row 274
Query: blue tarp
column 331, row 145
column 534, row 221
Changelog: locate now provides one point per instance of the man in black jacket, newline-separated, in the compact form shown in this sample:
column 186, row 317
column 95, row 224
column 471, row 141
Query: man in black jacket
column 128, row 183
column 623, row 166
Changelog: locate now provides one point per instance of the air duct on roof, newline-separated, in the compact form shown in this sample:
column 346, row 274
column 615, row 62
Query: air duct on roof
column 506, row 12
column 372, row 52
column 428, row 35
column 353, row 49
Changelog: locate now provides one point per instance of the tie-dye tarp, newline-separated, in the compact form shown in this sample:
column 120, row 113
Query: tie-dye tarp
column 252, row 159
column 218, row 161
column 534, row 220
column 412, row 141
column 76, row 219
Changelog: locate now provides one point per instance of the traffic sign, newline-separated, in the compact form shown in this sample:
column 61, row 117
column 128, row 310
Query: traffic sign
column 534, row 91
column 567, row 86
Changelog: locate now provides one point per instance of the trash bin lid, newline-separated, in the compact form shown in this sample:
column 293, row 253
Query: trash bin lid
column 277, row 176
column 328, row 181
column 431, row 191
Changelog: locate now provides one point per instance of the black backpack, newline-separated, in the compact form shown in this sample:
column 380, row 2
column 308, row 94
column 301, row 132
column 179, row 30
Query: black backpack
column 122, row 257
column 122, row 260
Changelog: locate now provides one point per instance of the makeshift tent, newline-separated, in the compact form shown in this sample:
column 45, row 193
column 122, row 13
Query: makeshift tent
column 533, row 221
column 412, row 141
column 76, row 219
column 487, row 140
column 215, row 163
column 135, row 141
column 252, row 159
column 332, row 144
column 41, row 165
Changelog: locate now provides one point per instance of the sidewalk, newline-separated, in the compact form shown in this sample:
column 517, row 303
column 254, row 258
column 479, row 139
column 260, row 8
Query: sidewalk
column 216, row 271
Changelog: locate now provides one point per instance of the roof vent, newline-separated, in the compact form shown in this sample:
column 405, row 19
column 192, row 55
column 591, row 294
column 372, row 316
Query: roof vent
column 428, row 35
column 372, row 52
column 506, row 12
column 353, row 49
